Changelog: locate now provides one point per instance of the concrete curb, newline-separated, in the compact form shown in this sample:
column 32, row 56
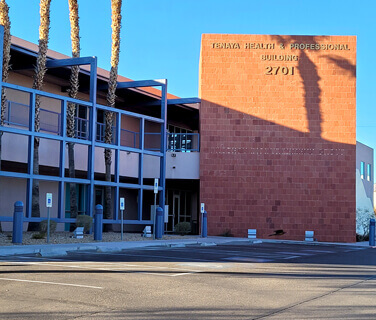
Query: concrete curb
column 52, row 252
column 176, row 245
column 108, row 249
column 208, row 244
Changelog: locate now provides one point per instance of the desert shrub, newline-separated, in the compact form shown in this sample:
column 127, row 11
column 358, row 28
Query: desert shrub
column 43, row 226
column 183, row 228
column 85, row 221
column 38, row 235
column 363, row 215
column 227, row 233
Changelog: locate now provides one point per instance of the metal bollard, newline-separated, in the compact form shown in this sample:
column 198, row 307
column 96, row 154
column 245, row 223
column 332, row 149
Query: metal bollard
column 17, row 222
column 98, row 222
column 159, row 223
column 204, row 224
column 372, row 232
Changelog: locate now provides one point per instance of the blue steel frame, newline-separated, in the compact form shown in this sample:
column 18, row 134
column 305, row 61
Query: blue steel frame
column 91, row 143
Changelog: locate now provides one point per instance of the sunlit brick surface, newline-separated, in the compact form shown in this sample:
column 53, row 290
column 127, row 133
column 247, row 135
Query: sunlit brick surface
column 278, row 135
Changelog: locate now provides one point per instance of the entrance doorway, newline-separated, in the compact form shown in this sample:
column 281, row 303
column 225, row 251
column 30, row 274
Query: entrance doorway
column 179, row 202
column 175, row 210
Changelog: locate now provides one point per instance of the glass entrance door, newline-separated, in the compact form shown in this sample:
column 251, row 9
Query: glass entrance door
column 175, row 210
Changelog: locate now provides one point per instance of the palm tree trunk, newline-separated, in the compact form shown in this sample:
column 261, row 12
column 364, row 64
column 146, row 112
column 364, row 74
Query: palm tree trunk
column 109, row 116
column 71, row 111
column 5, row 22
column 40, row 71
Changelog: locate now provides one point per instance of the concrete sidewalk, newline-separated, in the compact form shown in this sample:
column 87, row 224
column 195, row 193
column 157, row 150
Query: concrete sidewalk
column 62, row 249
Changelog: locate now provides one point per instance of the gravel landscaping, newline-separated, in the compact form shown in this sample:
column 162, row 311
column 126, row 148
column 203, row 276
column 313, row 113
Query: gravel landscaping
column 66, row 237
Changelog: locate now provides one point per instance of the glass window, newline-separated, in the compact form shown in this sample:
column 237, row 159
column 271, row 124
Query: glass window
column 81, row 122
column 179, row 139
column 368, row 172
column 362, row 168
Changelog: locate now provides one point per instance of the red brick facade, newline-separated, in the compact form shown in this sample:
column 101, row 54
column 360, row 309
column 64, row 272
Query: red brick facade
column 277, row 125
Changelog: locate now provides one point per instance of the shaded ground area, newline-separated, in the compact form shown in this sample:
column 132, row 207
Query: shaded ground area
column 67, row 237
column 232, row 281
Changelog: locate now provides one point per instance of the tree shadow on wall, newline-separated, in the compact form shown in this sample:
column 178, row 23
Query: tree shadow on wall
column 312, row 91
column 343, row 63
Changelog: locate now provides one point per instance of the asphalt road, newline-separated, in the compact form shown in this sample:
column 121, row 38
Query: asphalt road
column 233, row 281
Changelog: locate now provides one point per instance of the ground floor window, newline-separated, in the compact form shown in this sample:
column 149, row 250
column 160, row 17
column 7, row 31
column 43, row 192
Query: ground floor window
column 81, row 201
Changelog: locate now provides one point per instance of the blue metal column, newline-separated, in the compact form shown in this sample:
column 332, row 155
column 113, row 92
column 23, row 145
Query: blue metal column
column 159, row 223
column 204, row 233
column 30, row 163
column 61, row 200
column 98, row 222
column 141, row 169
column 372, row 232
column 17, row 222
column 93, row 133
column 162, row 195
column 117, row 167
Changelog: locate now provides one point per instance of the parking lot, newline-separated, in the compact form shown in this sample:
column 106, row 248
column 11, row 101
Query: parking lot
column 232, row 281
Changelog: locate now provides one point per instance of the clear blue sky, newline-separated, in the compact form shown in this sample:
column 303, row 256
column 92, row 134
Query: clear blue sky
column 161, row 38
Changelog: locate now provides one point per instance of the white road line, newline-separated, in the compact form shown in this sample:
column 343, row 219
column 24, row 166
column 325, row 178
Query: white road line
column 291, row 257
column 224, row 252
column 118, row 269
column 319, row 251
column 294, row 253
column 184, row 274
column 55, row 283
column 170, row 275
column 111, row 267
column 204, row 265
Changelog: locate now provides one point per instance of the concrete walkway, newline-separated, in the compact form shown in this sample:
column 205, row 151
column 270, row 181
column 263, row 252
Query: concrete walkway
column 62, row 249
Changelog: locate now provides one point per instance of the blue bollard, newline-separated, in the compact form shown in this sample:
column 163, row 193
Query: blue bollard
column 204, row 224
column 159, row 223
column 17, row 222
column 98, row 222
column 372, row 232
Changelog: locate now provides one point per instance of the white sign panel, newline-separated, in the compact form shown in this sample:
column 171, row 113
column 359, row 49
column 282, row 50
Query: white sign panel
column 155, row 185
column 49, row 200
column 202, row 207
column 122, row 204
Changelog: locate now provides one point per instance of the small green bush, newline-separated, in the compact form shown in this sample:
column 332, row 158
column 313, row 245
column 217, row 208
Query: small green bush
column 38, row 235
column 227, row 233
column 183, row 228
column 43, row 226
column 85, row 221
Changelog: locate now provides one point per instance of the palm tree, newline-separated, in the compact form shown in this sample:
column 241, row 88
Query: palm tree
column 5, row 22
column 71, row 111
column 109, row 116
column 40, row 71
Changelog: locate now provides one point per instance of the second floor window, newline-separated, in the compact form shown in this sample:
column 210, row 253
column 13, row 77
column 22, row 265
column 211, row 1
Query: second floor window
column 362, row 169
column 368, row 172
